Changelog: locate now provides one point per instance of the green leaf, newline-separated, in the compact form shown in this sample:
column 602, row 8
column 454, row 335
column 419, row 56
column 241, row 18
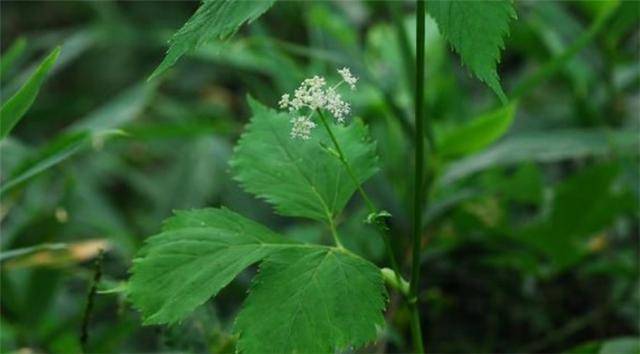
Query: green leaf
column 307, row 298
column 556, row 26
column 19, row 252
column 12, row 54
column 13, row 110
column 550, row 68
column 119, row 111
column 300, row 178
column 548, row 146
column 575, row 215
column 575, row 212
column 198, row 253
column 477, row 134
column 95, row 127
column 624, row 345
column 444, row 204
column 621, row 345
column 525, row 185
column 214, row 19
column 51, row 154
column 13, row 152
column 476, row 30
column 311, row 301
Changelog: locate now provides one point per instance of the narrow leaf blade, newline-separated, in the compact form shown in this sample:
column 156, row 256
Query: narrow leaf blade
column 545, row 146
column 477, row 134
column 53, row 153
column 15, row 108
column 14, row 52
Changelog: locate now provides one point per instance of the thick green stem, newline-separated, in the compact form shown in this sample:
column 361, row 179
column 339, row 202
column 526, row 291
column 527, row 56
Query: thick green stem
column 419, row 192
column 377, row 222
column 391, row 278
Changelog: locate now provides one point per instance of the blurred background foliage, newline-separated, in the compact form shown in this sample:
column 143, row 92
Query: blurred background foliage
column 531, row 244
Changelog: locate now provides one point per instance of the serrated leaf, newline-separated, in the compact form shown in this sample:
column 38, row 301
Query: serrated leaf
column 300, row 178
column 338, row 295
column 311, row 301
column 15, row 108
column 214, row 19
column 476, row 30
column 197, row 254
column 478, row 133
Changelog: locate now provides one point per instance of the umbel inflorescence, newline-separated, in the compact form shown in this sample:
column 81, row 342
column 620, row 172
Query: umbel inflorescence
column 313, row 94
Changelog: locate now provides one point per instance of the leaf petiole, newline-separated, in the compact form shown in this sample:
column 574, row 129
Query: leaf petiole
column 378, row 220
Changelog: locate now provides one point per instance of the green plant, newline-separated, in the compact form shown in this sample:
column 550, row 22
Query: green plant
column 425, row 200
column 308, row 298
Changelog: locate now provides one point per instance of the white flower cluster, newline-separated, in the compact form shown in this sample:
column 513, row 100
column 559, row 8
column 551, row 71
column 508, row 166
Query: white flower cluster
column 311, row 95
column 301, row 127
column 348, row 77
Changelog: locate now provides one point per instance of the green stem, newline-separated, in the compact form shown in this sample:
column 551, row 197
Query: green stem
column 419, row 192
column 334, row 232
column 416, row 331
column 84, row 331
column 380, row 224
column 391, row 278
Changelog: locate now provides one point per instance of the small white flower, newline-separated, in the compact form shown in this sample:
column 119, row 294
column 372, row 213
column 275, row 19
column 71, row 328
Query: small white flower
column 284, row 101
column 313, row 94
column 301, row 127
column 334, row 104
column 348, row 77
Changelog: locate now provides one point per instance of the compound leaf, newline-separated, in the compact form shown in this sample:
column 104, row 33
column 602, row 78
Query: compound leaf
column 306, row 298
column 311, row 301
column 214, row 19
column 476, row 30
column 197, row 254
column 301, row 178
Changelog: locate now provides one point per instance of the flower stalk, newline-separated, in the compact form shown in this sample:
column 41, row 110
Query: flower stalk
column 376, row 216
